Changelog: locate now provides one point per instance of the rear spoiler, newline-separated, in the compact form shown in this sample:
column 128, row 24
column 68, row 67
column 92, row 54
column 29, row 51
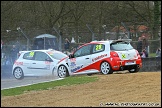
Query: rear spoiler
column 126, row 40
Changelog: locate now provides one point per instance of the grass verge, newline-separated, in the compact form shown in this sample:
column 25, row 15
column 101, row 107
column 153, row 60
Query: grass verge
column 152, row 55
column 48, row 85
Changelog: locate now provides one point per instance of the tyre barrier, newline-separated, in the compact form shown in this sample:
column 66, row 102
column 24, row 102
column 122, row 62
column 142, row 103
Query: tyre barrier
column 151, row 64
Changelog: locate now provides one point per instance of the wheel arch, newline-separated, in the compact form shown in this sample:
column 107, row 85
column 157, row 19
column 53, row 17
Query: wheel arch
column 68, row 74
column 22, row 73
column 106, row 61
column 111, row 70
column 16, row 68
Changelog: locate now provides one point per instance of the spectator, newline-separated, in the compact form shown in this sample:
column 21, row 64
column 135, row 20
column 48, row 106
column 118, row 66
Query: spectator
column 14, row 53
column 66, row 45
column 139, row 45
column 144, row 53
column 23, row 48
column 158, row 52
column 144, row 43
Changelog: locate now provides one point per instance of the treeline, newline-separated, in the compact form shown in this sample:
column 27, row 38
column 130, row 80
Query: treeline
column 71, row 17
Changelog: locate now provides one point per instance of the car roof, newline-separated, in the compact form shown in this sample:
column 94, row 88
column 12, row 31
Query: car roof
column 112, row 41
column 106, row 41
column 41, row 50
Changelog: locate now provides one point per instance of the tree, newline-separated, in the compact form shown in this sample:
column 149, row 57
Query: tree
column 156, row 24
column 72, row 16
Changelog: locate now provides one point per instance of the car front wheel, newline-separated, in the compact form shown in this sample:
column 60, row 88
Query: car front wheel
column 62, row 71
column 106, row 68
column 89, row 74
column 18, row 73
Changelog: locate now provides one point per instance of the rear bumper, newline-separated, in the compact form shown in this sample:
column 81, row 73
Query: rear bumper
column 122, row 64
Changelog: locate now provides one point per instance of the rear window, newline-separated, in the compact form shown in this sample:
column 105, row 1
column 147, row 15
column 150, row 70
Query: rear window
column 120, row 46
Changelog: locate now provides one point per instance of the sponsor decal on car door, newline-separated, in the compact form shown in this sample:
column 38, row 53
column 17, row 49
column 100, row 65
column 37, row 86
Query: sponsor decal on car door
column 82, row 59
column 80, row 64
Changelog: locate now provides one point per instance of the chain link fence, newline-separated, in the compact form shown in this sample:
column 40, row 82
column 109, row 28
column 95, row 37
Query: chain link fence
column 18, row 39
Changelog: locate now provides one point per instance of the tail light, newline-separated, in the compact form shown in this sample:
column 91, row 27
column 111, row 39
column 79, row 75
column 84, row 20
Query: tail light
column 138, row 55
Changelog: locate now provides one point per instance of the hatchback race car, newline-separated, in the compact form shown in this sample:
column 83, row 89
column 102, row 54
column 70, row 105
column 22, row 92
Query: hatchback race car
column 101, row 56
column 36, row 63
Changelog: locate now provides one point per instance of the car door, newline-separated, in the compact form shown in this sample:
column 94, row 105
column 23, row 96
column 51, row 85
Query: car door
column 98, row 54
column 39, row 65
column 82, row 59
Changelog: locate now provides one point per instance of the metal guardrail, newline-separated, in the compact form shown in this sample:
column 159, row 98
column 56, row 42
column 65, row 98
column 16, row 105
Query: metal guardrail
column 151, row 64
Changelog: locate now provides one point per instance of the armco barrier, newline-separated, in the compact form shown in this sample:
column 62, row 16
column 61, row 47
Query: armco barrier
column 151, row 64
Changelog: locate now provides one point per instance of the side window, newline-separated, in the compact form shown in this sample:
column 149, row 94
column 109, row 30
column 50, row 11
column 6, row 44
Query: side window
column 28, row 55
column 85, row 50
column 98, row 48
column 41, row 56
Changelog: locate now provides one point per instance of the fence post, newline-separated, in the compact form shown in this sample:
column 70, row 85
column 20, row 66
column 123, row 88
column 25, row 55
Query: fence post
column 19, row 29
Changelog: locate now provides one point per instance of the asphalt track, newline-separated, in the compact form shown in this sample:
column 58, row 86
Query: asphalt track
column 8, row 80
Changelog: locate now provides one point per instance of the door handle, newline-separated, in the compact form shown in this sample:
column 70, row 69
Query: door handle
column 87, row 58
column 33, row 63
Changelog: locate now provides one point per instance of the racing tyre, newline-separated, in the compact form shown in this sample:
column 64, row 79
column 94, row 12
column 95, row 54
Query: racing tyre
column 106, row 68
column 136, row 69
column 89, row 74
column 18, row 73
column 62, row 71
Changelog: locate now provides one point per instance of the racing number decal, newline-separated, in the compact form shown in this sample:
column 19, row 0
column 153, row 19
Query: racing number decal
column 31, row 54
column 123, row 56
column 98, row 47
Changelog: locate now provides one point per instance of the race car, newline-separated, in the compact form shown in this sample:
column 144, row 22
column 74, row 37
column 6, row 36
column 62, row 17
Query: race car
column 101, row 56
column 37, row 63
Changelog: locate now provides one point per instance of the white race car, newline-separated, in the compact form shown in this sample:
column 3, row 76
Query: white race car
column 36, row 63
column 100, row 56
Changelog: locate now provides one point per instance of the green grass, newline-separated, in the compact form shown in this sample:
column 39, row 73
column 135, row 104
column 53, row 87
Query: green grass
column 48, row 85
column 152, row 55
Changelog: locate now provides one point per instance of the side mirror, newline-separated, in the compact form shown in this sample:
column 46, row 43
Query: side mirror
column 71, row 56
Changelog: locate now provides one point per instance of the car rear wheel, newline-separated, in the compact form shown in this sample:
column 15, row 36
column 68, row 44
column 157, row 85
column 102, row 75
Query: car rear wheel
column 62, row 71
column 136, row 69
column 106, row 68
column 18, row 73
